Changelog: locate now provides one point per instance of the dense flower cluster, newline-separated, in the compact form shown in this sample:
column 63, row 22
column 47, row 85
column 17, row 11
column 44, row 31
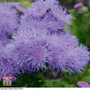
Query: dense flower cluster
column 8, row 22
column 66, row 55
column 46, row 14
column 16, row 6
column 40, row 40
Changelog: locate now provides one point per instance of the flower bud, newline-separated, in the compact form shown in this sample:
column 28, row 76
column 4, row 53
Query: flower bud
column 78, row 5
column 82, row 84
column 85, row 9
column 80, row 11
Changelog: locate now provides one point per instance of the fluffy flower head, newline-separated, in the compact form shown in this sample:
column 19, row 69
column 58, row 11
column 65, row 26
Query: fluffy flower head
column 66, row 55
column 8, row 22
column 8, row 19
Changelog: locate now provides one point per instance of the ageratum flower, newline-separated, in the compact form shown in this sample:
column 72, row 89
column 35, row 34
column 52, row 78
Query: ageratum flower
column 66, row 55
column 40, row 7
column 8, row 21
column 17, row 53
column 47, row 14
column 7, row 66
column 15, row 5
column 33, row 47
column 28, row 51
column 61, row 14
column 8, row 69
column 45, row 25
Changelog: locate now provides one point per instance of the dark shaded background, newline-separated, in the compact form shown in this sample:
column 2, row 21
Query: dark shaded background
column 70, row 3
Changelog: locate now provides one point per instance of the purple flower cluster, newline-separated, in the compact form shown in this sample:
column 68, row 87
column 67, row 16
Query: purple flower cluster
column 39, row 40
column 8, row 22
column 16, row 6
column 46, row 14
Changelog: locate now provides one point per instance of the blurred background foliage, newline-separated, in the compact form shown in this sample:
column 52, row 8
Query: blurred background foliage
column 80, row 26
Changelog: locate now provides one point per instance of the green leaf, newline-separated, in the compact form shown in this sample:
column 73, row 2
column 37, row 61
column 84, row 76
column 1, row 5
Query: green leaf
column 25, row 4
column 53, row 83
column 71, row 11
column 71, row 85
column 86, row 78
column 88, row 72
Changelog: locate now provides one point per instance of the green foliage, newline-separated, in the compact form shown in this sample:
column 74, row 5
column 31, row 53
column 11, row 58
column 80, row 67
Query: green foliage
column 87, row 76
column 80, row 24
column 53, row 83
column 28, row 80
column 24, row 3
column 71, row 80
